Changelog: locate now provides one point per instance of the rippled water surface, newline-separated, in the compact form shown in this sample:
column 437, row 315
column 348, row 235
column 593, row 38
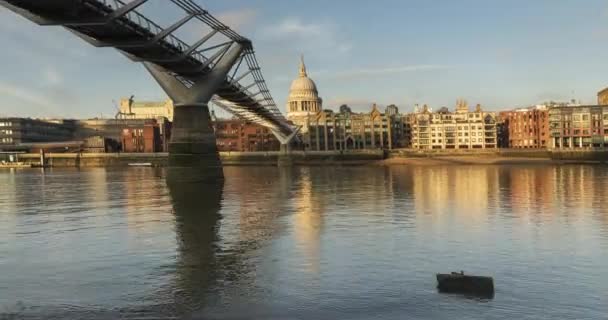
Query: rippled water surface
column 303, row 243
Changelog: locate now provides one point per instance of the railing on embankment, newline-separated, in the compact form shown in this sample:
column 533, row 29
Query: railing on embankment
column 96, row 159
column 270, row 158
column 353, row 157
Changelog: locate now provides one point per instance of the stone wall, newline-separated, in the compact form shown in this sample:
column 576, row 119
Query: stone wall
column 429, row 153
column 96, row 159
column 592, row 155
column 270, row 158
column 580, row 155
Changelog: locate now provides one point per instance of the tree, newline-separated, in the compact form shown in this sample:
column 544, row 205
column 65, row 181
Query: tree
column 345, row 109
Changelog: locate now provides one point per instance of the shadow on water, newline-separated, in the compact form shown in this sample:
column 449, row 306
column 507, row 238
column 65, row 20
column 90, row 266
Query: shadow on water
column 196, row 198
column 209, row 261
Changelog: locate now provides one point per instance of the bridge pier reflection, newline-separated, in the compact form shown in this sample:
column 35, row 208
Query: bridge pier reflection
column 196, row 198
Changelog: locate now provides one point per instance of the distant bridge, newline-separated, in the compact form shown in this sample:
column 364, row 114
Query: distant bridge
column 220, row 66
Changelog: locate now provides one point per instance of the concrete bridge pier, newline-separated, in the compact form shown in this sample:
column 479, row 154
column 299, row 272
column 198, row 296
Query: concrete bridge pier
column 193, row 141
column 192, row 138
column 285, row 158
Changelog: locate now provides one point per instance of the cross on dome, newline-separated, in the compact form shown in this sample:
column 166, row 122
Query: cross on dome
column 302, row 67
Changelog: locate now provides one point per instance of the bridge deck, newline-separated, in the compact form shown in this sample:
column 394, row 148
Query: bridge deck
column 134, row 35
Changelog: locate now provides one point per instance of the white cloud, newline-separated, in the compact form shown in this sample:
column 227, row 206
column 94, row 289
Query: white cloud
column 25, row 95
column 52, row 76
column 317, row 36
column 238, row 19
column 379, row 71
column 293, row 27
column 32, row 41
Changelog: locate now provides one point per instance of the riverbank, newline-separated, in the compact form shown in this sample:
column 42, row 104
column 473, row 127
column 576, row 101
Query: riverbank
column 465, row 160
column 271, row 158
column 323, row 158
column 495, row 157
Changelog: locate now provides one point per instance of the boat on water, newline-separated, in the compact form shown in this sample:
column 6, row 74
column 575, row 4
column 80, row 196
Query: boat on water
column 458, row 282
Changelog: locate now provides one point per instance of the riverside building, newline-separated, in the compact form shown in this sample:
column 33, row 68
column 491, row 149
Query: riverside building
column 323, row 130
column 528, row 127
column 462, row 129
column 15, row 131
column 243, row 136
column 578, row 126
column 131, row 109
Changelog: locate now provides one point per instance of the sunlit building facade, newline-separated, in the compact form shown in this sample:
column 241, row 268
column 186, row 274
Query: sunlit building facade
column 324, row 130
column 242, row 136
column 132, row 109
column 578, row 126
column 528, row 127
column 462, row 129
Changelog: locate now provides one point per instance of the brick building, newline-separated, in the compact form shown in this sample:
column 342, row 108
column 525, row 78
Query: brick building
column 528, row 128
column 145, row 138
column 578, row 126
column 242, row 136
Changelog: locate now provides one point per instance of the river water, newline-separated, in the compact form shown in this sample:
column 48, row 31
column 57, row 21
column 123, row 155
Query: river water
column 303, row 242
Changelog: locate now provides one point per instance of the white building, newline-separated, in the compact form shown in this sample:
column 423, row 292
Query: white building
column 462, row 129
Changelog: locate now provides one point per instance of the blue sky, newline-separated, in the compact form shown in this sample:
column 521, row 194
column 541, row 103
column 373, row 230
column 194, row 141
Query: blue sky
column 501, row 54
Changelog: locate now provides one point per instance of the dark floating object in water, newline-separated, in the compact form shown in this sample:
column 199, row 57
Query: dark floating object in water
column 458, row 282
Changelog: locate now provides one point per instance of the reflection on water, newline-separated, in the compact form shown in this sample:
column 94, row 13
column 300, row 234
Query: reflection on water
column 304, row 242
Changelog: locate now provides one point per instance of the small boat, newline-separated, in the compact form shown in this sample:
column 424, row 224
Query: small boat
column 458, row 282
column 141, row 164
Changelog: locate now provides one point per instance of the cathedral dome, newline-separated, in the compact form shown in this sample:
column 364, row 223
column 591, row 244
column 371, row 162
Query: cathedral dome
column 303, row 98
column 303, row 86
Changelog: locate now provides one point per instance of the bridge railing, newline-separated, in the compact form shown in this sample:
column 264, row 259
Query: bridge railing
column 174, row 50
column 266, row 101
column 149, row 25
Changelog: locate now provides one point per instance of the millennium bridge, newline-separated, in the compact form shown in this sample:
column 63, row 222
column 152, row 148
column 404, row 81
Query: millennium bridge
column 219, row 67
